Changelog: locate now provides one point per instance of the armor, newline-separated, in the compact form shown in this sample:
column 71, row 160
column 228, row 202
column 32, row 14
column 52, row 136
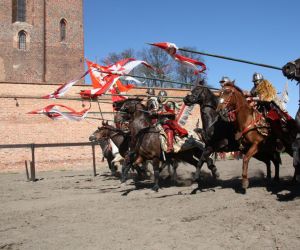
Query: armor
column 150, row 91
column 257, row 78
column 162, row 95
column 224, row 80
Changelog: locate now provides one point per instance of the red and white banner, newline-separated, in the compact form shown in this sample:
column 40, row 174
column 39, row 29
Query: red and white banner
column 183, row 114
column 171, row 49
column 65, row 87
column 53, row 111
column 106, row 78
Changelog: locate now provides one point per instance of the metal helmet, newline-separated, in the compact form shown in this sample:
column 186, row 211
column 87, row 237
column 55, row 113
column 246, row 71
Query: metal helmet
column 257, row 78
column 161, row 95
column 224, row 79
column 150, row 91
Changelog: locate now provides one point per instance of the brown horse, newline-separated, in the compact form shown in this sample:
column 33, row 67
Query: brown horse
column 145, row 141
column 249, row 123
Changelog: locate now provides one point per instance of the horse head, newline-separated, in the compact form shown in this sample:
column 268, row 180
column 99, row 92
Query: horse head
column 102, row 133
column 230, row 101
column 201, row 95
column 130, row 106
column 292, row 70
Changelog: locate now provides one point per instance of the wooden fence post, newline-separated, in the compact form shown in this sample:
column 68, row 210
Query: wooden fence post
column 26, row 169
column 32, row 163
column 94, row 160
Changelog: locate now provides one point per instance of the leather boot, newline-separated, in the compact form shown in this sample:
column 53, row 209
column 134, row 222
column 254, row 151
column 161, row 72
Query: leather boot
column 170, row 140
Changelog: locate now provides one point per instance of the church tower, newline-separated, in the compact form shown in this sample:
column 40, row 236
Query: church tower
column 41, row 40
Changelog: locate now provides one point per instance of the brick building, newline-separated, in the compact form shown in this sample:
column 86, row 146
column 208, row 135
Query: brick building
column 41, row 40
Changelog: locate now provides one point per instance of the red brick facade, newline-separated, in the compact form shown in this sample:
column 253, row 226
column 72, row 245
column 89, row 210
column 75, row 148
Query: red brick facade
column 46, row 58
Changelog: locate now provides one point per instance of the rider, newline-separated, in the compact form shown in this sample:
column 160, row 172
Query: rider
column 166, row 114
column 265, row 94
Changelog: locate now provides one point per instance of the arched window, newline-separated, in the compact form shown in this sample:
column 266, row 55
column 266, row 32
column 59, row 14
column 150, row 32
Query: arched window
column 19, row 10
column 63, row 29
column 22, row 40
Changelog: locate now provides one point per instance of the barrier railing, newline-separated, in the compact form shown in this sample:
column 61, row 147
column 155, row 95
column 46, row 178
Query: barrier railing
column 33, row 146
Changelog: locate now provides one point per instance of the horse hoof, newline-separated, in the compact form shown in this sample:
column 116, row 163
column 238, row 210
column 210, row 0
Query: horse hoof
column 155, row 188
column 245, row 183
column 243, row 190
column 216, row 174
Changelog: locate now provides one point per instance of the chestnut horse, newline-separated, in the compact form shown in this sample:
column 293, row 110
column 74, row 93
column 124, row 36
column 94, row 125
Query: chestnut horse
column 219, row 136
column 234, row 107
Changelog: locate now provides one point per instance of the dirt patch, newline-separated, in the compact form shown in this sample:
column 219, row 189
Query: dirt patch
column 71, row 209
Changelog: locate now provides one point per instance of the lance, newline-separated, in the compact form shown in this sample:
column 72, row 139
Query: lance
column 227, row 58
column 151, row 78
column 230, row 58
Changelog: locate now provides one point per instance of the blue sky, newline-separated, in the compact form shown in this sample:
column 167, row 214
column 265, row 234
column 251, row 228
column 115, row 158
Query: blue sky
column 264, row 31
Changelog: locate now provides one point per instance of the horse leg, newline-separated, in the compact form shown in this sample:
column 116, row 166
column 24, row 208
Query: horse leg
column 269, row 172
column 155, row 163
column 296, row 158
column 252, row 151
column 204, row 157
column 174, row 175
column 125, row 168
column 212, row 167
column 141, row 172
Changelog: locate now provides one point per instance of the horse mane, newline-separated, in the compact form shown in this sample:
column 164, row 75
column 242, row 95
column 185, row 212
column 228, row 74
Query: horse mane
column 231, row 84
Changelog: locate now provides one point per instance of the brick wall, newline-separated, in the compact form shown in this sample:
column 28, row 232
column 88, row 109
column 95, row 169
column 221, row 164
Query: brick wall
column 46, row 58
column 16, row 126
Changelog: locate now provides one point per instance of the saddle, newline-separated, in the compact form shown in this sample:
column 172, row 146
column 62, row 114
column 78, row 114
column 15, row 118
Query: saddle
column 180, row 143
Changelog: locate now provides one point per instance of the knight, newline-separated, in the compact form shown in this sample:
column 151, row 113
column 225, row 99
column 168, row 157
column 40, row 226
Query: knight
column 166, row 114
column 265, row 96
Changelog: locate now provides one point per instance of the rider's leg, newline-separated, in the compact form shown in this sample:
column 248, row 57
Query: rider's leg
column 170, row 140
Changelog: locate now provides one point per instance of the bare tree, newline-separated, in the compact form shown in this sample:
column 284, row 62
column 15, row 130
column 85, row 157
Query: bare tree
column 166, row 67
column 114, row 57
column 186, row 74
column 162, row 63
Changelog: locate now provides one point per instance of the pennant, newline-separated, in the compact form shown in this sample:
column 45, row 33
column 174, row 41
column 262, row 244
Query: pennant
column 65, row 87
column 53, row 112
column 171, row 49
column 184, row 114
column 108, row 77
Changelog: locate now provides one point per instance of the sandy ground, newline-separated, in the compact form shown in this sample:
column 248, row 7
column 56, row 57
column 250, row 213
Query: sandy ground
column 71, row 209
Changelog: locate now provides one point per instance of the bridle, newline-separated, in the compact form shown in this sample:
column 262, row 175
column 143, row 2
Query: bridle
column 227, row 110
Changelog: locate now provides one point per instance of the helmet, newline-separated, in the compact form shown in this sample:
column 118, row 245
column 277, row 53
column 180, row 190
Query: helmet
column 257, row 78
column 225, row 79
column 150, row 91
column 161, row 95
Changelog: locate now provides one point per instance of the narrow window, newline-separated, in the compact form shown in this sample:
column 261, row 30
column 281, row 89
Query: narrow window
column 22, row 40
column 63, row 27
column 19, row 10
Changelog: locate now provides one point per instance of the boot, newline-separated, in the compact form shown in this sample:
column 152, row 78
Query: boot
column 170, row 140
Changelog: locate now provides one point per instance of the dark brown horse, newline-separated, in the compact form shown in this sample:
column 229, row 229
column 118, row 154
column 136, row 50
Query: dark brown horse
column 234, row 107
column 145, row 143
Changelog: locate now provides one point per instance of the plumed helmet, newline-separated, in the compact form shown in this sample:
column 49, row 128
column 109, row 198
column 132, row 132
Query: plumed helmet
column 257, row 78
column 161, row 95
column 150, row 91
column 225, row 79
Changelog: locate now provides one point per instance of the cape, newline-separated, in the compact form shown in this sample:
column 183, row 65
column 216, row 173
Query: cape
column 266, row 91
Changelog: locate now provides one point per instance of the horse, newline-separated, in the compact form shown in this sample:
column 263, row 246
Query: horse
column 107, row 151
column 145, row 141
column 219, row 136
column 233, row 106
column 121, row 140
